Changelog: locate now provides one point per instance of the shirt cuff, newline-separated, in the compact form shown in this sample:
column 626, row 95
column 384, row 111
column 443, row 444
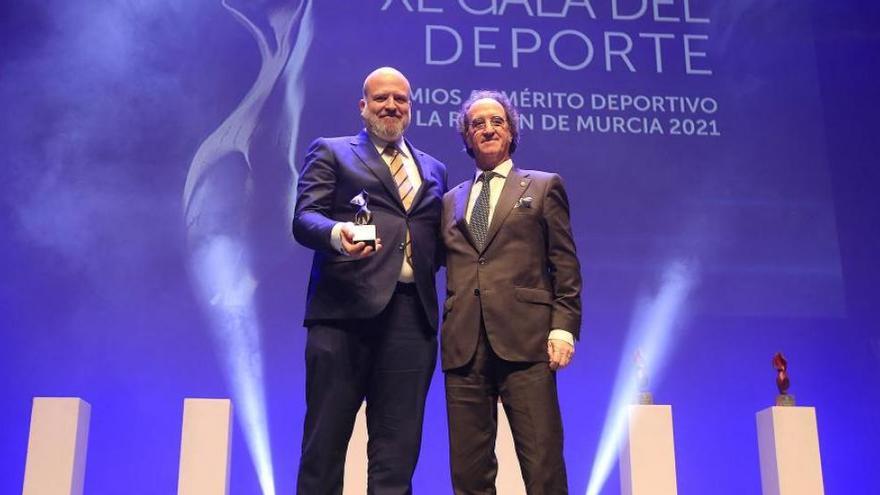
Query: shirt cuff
column 336, row 238
column 563, row 335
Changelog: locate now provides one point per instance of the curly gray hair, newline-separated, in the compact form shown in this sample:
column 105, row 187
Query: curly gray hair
column 510, row 112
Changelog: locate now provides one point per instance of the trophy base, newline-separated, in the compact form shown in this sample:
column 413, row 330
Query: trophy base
column 785, row 400
column 365, row 234
column 645, row 398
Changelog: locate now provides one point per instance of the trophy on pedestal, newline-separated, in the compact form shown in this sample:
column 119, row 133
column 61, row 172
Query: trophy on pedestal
column 363, row 230
column 782, row 381
column 645, row 397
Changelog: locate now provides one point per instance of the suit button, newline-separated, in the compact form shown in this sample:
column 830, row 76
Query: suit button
column 482, row 261
column 402, row 246
column 477, row 292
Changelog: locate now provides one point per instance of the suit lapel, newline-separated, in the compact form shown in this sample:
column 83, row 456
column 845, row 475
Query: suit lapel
column 366, row 151
column 427, row 180
column 462, row 192
column 514, row 187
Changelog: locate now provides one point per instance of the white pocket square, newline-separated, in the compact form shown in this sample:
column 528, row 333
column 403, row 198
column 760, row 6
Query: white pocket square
column 524, row 202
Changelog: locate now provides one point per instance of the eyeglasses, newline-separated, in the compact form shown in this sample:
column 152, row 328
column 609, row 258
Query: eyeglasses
column 481, row 124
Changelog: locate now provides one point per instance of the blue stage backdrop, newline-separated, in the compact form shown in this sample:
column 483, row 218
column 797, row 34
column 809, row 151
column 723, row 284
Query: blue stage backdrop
column 720, row 158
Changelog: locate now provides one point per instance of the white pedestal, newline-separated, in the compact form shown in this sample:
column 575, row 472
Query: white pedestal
column 647, row 460
column 509, row 479
column 788, row 445
column 508, row 482
column 354, row 481
column 56, row 455
column 205, row 447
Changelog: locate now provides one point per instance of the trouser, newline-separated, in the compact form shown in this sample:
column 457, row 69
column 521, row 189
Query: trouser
column 387, row 360
column 528, row 394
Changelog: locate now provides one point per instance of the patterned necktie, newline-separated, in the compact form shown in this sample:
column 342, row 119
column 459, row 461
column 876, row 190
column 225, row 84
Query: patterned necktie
column 404, row 188
column 401, row 178
column 480, row 214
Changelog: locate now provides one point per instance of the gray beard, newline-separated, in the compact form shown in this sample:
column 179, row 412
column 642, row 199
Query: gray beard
column 385, row 132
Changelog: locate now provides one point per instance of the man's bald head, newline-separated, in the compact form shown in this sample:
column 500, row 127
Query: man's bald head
column 384, row 74
column 386, row 104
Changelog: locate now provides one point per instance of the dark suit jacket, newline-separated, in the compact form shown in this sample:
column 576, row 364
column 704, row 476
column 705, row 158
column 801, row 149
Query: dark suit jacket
column 343, row 287
column 526, row 280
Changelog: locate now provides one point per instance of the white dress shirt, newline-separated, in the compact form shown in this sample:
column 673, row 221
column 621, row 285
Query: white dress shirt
column 496, row 184
column 412, row 171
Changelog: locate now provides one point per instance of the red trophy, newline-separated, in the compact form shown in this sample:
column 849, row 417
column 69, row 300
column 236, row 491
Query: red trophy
column 782, row 381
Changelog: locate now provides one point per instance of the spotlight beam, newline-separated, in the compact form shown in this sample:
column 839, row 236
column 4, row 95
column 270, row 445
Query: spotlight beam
column 217, row 198
column 651, row 331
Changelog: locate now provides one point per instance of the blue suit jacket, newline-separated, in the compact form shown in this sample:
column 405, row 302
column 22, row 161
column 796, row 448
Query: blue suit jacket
column 343, row 287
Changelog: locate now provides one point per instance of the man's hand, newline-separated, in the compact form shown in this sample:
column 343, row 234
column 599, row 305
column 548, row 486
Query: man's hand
column 560, row 353
column 356, row 249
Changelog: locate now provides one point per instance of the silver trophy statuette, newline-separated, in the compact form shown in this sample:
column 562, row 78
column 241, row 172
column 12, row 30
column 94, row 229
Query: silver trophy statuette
column 363, row 230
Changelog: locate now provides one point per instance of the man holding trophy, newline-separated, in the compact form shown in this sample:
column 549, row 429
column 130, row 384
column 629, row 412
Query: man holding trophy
column 369, row 205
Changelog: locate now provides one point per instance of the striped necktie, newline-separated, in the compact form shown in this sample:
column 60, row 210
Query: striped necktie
column 404, row 188
column 401, row 178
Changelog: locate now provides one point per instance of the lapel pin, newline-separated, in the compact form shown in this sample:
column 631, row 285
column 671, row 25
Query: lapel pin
column 522, row 183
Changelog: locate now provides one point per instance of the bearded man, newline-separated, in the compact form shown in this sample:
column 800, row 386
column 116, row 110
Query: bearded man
column 371, row 310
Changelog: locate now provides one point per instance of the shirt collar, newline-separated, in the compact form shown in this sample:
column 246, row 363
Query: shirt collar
column 502, row 169
column 380, row 145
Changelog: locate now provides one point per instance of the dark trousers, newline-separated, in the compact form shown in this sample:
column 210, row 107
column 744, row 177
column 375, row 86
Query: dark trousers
column 387, row 360
column 528, row 394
